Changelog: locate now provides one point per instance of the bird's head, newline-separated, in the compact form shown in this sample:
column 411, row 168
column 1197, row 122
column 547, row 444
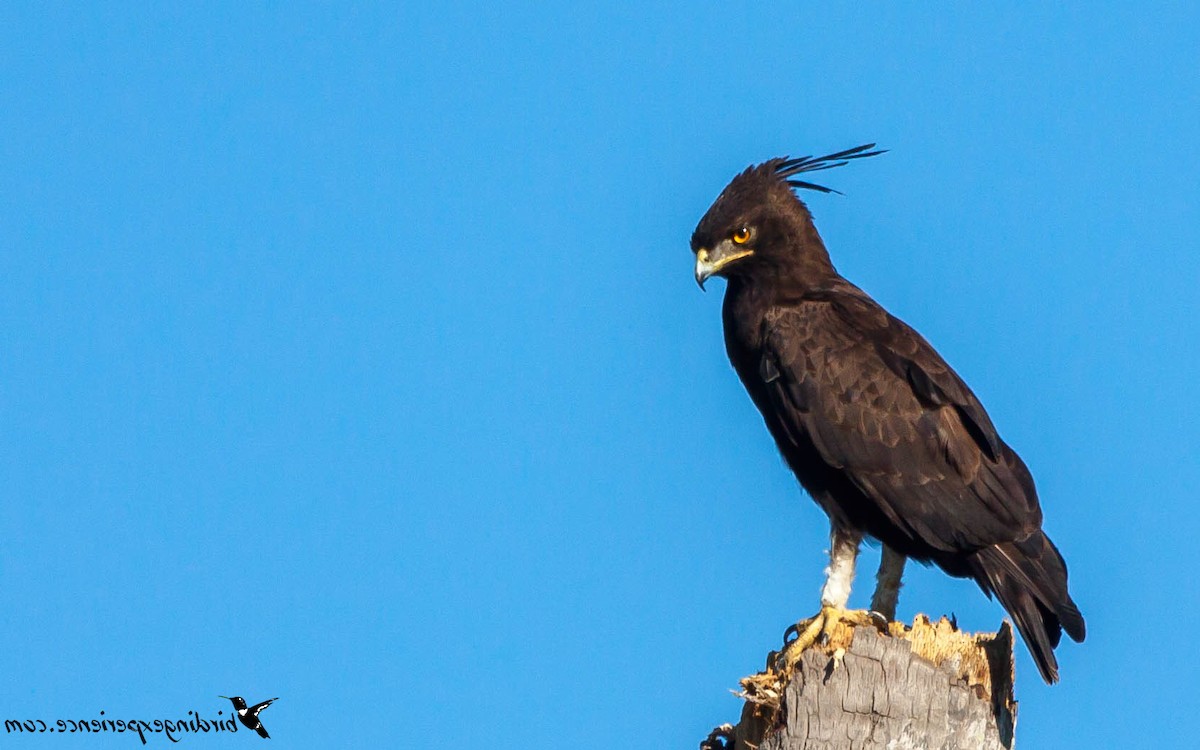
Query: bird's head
column 757, row 224
column 237, row 701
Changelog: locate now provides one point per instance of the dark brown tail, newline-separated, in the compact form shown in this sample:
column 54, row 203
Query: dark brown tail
column 1029, row 578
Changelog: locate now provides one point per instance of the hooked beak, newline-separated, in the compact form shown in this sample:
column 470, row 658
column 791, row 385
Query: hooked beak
column 710, row 262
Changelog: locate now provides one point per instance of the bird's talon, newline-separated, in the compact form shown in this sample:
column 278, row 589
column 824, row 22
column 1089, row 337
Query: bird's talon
column 795, row 630
column 879, row 619
column 719, row 738
column 820, row 630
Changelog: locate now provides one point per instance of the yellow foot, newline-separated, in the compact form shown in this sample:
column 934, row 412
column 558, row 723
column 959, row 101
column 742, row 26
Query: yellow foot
column 832, row 625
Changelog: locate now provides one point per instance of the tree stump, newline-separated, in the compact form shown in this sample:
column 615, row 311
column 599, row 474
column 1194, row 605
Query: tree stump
column 926, row 686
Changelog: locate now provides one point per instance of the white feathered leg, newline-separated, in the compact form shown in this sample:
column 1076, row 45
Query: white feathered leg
column 843, row 551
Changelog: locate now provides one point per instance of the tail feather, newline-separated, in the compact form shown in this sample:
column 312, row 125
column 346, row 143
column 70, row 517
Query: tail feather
column 1029, row 578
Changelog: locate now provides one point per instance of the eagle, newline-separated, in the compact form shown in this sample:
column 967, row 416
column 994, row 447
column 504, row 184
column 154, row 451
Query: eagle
column 881, row 432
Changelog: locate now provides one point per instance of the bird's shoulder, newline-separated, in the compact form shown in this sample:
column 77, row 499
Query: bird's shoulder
column 838, row 345
column 840, row 314
column 822, row 355
column 838, row 327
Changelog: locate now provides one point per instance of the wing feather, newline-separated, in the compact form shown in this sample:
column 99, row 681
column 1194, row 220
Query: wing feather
column 878, row 403
column 260, row 706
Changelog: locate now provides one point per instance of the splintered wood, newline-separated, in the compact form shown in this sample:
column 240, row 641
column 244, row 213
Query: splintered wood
column 928, row 685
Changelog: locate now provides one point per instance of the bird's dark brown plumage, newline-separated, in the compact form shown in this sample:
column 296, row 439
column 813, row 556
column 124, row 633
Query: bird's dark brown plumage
column 883, row 434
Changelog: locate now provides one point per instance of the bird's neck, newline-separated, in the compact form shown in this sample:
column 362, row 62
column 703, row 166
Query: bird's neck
column 747, row 300
column 807, row 265
column 783, row 283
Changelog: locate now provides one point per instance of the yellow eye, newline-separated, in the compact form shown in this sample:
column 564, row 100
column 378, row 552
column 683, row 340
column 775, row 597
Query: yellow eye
column 742, row 235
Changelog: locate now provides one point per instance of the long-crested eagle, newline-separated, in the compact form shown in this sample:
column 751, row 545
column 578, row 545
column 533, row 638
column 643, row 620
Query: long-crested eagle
column 884, row 435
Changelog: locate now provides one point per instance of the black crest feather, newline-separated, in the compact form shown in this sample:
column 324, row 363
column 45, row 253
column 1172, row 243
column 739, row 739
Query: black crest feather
column 785, row 168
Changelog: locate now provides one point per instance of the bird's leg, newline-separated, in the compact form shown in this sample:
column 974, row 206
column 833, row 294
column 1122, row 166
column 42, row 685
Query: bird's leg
column 843, row 551
column 887, row 583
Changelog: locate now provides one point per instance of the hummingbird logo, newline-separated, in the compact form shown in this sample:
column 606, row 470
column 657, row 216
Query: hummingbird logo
column 249, row 716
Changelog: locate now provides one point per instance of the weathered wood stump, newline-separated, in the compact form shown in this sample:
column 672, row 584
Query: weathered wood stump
column 929, row 686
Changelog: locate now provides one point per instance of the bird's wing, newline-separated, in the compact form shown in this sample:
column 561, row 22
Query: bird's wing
column 878, row 403
column 253, row 710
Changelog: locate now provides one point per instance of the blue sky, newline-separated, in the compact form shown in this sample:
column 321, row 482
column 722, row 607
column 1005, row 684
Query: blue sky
column 353, row 356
